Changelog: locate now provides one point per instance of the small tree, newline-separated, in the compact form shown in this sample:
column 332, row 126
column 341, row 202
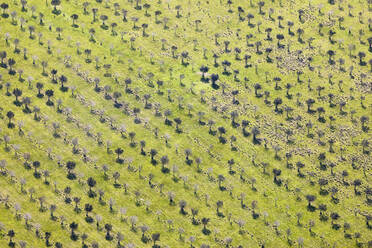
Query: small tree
column 10, row 116
column 155, row 237
column 56, row 3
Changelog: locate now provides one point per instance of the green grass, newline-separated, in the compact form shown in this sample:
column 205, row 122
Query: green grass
column 280, row 204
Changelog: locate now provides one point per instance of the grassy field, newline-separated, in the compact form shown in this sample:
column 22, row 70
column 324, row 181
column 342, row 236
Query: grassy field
column 185, row 123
